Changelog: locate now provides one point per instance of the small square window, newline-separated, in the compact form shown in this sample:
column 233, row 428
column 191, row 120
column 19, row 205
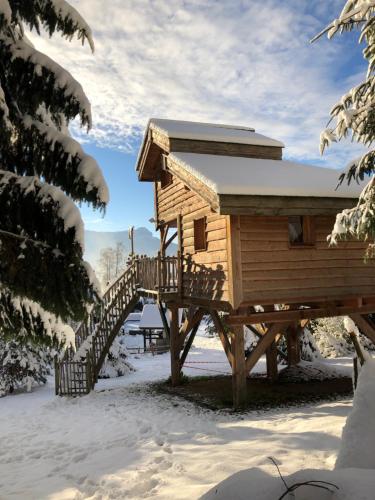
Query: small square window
column 200, row 240
column 301, row 230
column 165, row 179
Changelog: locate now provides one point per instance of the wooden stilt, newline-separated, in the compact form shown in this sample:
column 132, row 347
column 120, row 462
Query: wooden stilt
column 271, row 358
column 238, row 368
column 174, row 346
column 293, row 347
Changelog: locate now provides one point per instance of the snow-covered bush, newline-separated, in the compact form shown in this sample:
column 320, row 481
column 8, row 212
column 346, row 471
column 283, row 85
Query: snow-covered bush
column 332, row 337
column 116, row 362
column 23, row 365
column 309, row 349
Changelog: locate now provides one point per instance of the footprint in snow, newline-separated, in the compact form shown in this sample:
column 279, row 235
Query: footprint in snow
column 79, row 457
column 159, row 440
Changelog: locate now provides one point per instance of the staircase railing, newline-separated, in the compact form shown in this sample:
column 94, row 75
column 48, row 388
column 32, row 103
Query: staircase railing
column 78, row 370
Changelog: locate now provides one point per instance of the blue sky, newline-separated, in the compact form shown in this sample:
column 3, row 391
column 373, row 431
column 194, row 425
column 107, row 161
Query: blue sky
column 243, row 62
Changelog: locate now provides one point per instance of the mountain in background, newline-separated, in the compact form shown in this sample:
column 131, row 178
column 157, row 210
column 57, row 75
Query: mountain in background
column 145, row 243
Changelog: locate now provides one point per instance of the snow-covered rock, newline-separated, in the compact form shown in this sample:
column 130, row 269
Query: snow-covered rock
column 255, row 484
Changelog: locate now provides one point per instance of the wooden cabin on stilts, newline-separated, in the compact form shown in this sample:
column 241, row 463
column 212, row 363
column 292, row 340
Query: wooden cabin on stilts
column 251, row 230
column 252, row 235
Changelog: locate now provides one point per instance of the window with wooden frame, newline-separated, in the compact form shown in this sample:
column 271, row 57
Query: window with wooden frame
column 200, row 236
column 165, row 179
column 301, row 231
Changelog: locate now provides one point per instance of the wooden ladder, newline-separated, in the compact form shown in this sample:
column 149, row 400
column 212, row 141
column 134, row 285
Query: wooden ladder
column 77, row 372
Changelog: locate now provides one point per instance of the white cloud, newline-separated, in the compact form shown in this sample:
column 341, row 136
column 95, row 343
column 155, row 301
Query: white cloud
column 246, row 62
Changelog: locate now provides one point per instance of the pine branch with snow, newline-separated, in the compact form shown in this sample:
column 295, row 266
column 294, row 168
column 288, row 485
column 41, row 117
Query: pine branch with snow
column 43, row 170
column 354, row 116
column 25, row 320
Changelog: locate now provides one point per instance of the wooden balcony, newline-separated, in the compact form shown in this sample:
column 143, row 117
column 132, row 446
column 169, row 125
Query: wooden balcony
column 179, row 278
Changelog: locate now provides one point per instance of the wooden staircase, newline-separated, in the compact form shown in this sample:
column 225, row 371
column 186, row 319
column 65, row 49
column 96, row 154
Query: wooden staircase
column 77, row 372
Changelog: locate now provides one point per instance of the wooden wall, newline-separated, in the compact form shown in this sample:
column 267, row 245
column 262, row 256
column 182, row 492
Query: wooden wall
column 272, row 272
column 206, row 273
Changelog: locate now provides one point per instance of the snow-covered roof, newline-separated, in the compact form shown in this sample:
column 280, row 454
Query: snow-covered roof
column 151, row 317
column 198, row 131
column 252, row 176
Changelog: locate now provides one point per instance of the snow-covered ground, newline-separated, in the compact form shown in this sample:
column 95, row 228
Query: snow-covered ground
column 123, row 441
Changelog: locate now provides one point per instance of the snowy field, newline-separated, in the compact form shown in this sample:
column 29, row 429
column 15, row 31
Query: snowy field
column 123, row 441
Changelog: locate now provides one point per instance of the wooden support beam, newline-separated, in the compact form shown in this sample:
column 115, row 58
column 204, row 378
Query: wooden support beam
column 239, row 383
column 163, row 236
column 260, row 335
column 175, row 346
column 169, row 241
column 189, row 343
column 293, row 347
column 222, row 335
column 164, row 320
column 191, row 321
column 264, row 343
column 179, row 233
column 299, row 314
column 365, row 325
column 271, row 358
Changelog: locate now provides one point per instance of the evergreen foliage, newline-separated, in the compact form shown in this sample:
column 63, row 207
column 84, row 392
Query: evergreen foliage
column 116, row 363
column 332, row 337
column 354, row 116
column 23, row 365
column 43, row 172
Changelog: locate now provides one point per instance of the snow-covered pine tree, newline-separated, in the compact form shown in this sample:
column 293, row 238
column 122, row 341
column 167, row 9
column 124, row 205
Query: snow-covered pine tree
column 116, row 363
column 43, row 171
column 354, row 116
column 23, row 365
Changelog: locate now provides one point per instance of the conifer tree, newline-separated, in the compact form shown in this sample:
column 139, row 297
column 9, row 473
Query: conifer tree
column 23, row 365
column 43, row 173
column 354, row 116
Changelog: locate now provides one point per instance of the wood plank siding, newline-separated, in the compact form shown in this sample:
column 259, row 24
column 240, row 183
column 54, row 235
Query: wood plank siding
column 205, row 272
column 274, row 272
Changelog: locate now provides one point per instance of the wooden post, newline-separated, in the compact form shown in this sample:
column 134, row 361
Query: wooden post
column 180, row 261
column 174, row 346
column 271, row 358
column 357, row 347
column 355, row 368
column 238, row 368
column 57, row 373
column 292, row 340
column 144, row 341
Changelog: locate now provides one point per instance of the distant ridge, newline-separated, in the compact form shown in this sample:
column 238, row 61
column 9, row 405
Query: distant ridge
column 144, row 242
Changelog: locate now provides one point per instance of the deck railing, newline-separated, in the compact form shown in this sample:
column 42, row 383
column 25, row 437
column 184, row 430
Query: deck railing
column 162, row 274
